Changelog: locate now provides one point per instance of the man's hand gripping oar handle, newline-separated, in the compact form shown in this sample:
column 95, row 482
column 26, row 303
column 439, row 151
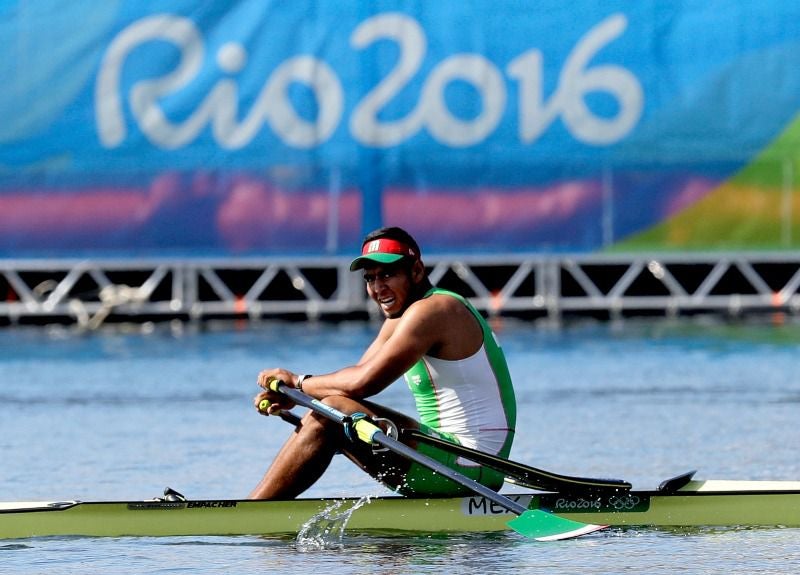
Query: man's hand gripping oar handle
column 285, row 415
column 535, row 523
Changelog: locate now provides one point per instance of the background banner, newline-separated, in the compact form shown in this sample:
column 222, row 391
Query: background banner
column 263, row 127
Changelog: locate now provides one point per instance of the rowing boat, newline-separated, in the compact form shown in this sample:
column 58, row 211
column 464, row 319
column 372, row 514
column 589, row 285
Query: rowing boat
column 681, row 502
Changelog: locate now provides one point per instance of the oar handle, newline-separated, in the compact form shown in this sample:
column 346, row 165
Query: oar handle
column 284, row 414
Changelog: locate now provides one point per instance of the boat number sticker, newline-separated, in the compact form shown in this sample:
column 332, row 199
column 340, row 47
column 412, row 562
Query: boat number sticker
column 481, row 506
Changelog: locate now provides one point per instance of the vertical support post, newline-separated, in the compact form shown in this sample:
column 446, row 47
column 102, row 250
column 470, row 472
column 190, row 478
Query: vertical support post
column 371, row 185
column 786, row 203
column 334, row 197
column 551, row 288
column 608, row 207
column 370, row 160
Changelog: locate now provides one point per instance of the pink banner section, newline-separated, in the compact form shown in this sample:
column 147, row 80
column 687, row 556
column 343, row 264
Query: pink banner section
column 243, row 215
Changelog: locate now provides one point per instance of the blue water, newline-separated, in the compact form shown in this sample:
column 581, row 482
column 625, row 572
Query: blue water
column 123, row 413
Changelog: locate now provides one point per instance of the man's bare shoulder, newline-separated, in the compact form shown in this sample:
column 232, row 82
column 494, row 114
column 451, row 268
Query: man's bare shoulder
column 440, row 312
column 453, row 330
column 437, row 304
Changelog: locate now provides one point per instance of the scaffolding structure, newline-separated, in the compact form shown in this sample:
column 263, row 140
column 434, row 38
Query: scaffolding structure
column 91, row 292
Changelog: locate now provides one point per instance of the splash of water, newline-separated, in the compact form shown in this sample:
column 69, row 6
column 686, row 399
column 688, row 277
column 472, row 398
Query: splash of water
column 325, row 530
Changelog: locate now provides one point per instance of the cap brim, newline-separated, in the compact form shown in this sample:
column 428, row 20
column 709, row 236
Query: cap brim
column 364, row 261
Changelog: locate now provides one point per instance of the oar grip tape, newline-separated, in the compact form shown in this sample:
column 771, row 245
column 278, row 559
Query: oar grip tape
column 358, row 426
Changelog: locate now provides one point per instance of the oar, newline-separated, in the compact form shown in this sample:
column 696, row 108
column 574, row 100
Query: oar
column 285, row 415
column 534, row 523
column 519, row 473
column 522, row 474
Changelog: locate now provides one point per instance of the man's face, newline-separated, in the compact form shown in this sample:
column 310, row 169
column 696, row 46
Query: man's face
column 390, row 287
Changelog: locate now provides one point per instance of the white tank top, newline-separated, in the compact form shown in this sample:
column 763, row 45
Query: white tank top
column 471, row 398
column 467, row 407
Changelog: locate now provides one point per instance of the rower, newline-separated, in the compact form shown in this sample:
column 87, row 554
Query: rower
column 450, row 360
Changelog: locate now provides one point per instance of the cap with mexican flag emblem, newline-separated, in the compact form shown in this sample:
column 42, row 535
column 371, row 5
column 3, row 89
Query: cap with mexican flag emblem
column 382, row 251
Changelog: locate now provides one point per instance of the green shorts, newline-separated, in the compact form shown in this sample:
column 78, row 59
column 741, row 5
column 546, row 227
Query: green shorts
column 422, row 482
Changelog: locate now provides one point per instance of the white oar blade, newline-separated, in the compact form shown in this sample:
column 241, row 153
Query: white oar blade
column 582, row 529
column 543, row 526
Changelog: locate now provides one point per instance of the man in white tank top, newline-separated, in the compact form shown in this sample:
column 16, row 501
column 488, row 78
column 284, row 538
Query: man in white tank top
column 451, row 362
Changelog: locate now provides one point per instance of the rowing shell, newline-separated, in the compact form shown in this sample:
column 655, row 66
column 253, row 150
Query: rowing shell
column 697, row 503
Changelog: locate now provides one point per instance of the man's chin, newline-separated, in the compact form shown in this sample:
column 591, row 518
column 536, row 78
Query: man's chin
column 391, row 314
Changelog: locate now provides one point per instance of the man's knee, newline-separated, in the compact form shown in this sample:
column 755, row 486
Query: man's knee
column 344, row 404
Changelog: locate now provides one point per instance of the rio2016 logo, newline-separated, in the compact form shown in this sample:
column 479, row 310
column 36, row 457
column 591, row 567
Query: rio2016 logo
column 431, row 113
column 625, row 502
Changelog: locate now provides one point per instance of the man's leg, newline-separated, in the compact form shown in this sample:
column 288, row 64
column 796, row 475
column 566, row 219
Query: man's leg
column 301, row 461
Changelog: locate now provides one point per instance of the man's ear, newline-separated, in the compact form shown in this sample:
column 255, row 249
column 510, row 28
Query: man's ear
column 417, row 271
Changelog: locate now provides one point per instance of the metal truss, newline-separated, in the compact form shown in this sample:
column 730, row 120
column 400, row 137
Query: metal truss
column 668, row 284
column 90, row 292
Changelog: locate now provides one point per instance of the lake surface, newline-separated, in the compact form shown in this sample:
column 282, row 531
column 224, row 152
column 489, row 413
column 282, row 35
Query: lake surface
column 122, row 413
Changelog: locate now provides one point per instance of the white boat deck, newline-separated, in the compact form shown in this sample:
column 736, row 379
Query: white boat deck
column 716, row 485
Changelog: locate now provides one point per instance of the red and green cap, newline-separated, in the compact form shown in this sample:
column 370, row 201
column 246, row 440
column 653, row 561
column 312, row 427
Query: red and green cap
column 382, row 251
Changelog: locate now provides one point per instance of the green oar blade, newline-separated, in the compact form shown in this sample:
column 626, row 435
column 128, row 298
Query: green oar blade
column 544, row 526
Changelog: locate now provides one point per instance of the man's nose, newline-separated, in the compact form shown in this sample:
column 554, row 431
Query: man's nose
column 380, row 282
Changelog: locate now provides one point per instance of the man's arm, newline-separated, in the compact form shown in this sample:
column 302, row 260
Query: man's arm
column 398, row 346
column 386, row 331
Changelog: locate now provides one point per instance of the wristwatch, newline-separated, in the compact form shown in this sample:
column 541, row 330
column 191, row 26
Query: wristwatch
column 301, row 379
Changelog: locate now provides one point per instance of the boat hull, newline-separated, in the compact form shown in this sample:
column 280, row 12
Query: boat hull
column 697, row 504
